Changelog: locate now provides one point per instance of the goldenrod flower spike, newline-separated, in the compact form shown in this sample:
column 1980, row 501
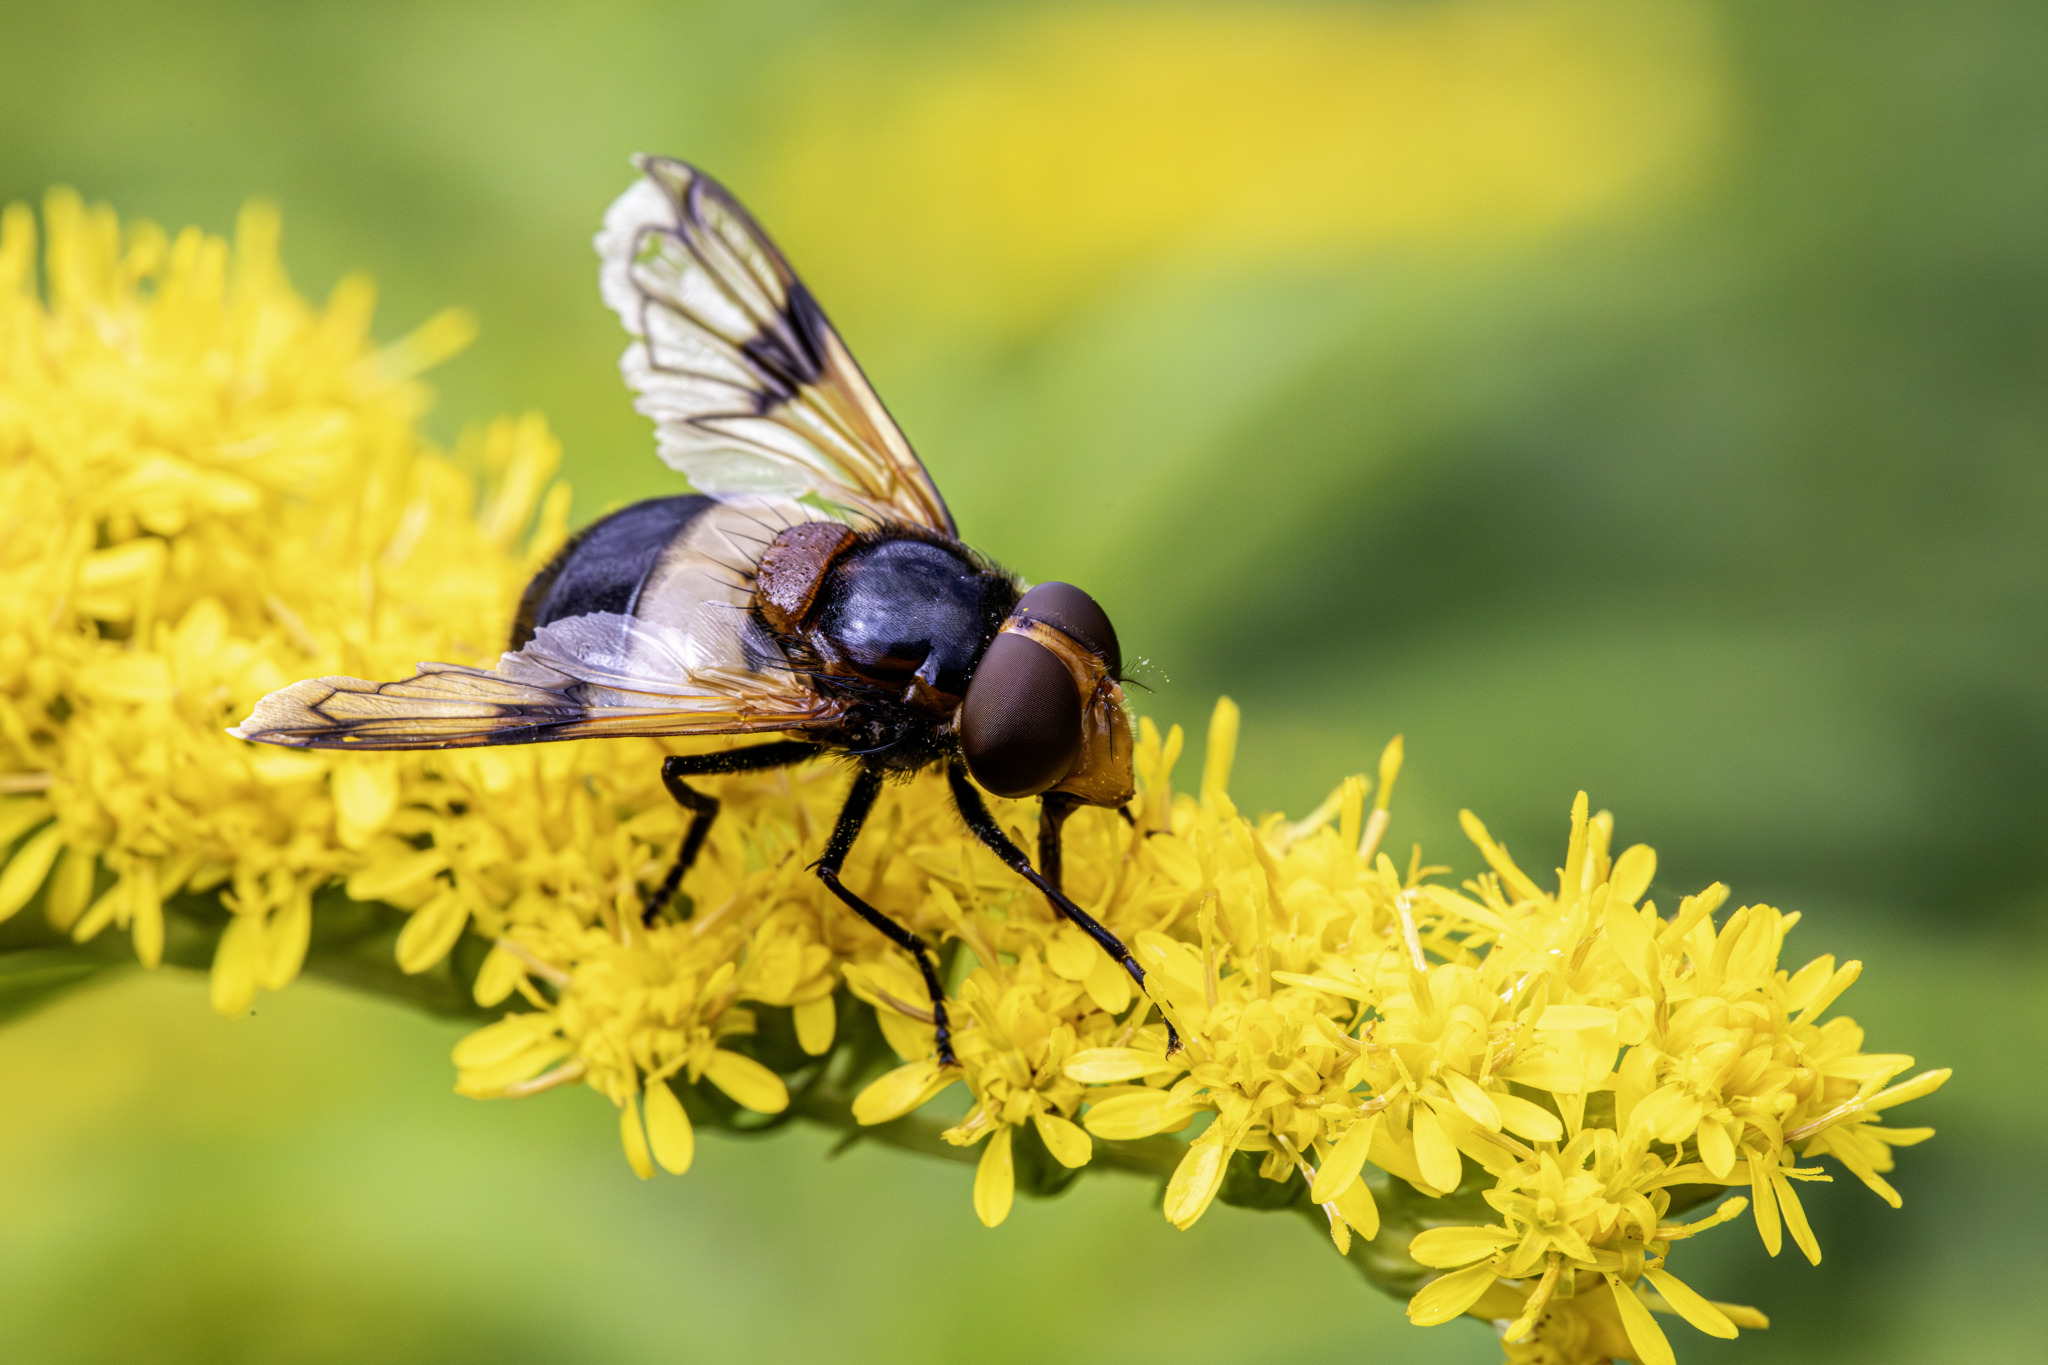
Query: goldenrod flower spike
column 1525, row 1088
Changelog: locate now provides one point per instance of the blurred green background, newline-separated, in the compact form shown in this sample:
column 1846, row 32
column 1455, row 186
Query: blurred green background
column 1638, row 395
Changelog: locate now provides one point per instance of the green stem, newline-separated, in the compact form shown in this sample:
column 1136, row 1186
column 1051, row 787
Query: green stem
column 353, row 946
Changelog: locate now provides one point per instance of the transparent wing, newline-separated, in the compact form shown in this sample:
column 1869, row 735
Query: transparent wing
column 587, row 676
column 751, row 390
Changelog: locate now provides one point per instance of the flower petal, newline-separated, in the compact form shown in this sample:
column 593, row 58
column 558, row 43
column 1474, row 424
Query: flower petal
column 1716, row 1149
column 750, row 1084
column 231, row 986
column 1107, row 1065
column 816, row 1022
column 1652, row 1346
column 669, row 1134
column 995, row 1180
column 1345, row 1160
column 1456, row 1246
column 1126, row 1117
column 431, row 932
column 507, row 1038
column 1527, row 1119
column 1356, row 1206
column 497, row 978
column 1434, row 1152
column 1693, row 1308
column 1764, row 1207
column 1477, row 1104
column 1448, row 1296
column 1195, row 1182
column 896, row 1093
column 1795, row 1217
column 1065, row 1140
column 634, row 1139
column 29, row 866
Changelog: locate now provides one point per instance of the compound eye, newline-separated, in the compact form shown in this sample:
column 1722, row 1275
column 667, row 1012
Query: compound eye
column 1077, row 615
column 1020, row 724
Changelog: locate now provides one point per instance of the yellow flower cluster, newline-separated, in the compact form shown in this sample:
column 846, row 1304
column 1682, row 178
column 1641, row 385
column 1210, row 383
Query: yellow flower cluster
column 1581, row 1061
column 210, row 489
column 1498, row 1097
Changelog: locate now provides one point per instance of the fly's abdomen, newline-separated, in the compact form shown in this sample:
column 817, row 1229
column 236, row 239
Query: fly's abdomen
column 604, row 567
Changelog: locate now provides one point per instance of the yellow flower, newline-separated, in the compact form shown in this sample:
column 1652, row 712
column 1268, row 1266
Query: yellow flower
column 213, row 488
column 1498, row 1098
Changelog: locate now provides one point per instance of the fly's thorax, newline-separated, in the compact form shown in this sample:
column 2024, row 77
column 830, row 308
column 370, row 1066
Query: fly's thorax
column 908, row 616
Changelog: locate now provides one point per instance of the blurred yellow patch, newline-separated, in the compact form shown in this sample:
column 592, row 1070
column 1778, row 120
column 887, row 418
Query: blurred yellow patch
column 996, row 173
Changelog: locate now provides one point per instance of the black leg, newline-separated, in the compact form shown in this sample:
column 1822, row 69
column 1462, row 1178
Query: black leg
column 975, row 812
column 859, row 802
column 1053, row 810
column 704, row 809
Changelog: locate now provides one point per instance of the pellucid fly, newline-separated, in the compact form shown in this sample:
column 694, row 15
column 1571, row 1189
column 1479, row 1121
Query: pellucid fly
column 814, row 587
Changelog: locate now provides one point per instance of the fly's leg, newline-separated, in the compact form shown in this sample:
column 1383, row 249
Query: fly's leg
column 860, row 801
column 1053, row 810
column 975, row 812
column 704, row 809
